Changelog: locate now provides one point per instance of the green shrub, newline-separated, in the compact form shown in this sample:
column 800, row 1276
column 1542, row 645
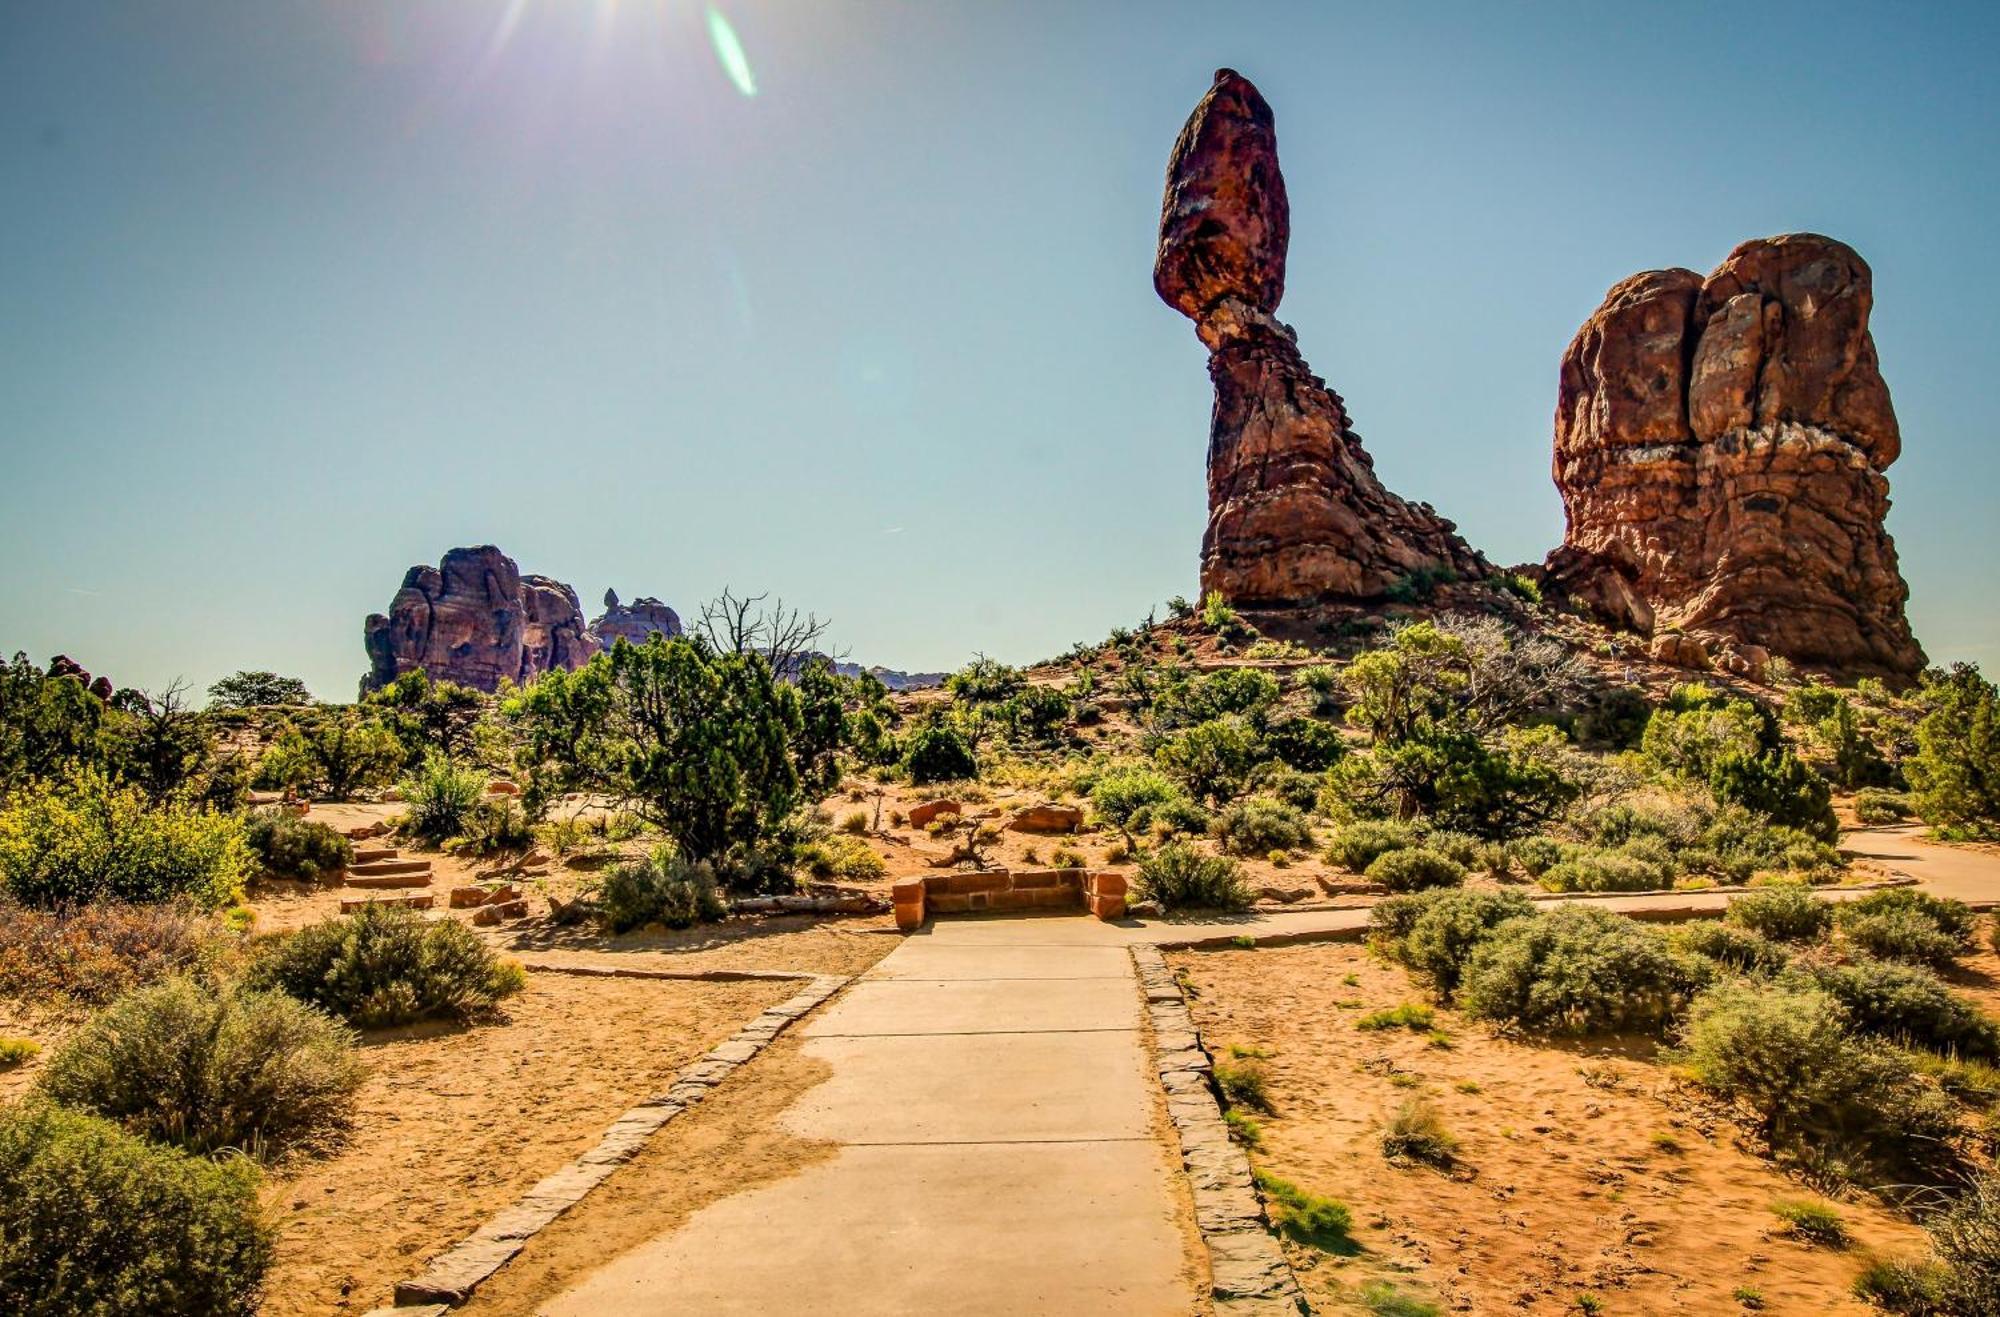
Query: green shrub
column 1260, row 825
column 1358, row 845
column 1409, row 1015
column 439, row 799
column 1414, row 870
column 662, row 888
column 1383, row 1299
column 1416, row 1133
column 1245, row 1083
column 1876, row 807
column 496, row 826
column 1307, row 1218
column 1211, row 760
column 332, row 753
column 1902, row 935
column 1180, row 877
column 1474, row 854
column 1536, row 855
column 1305, row 744
column 1814, row 1222
column 841, row 857
column 1814, row 1092
column 1124, row 797
column 1699, row 727
column 1439, row 929
column 18, row 1051
column 1910, row 1005
column 1954, row 919
column 1914, row 1289
column 90, row 954
column 1575, row 970
column 1783, row 912
column 86, row 839
column 291, row 847
column 94, row 1220
column 1603, row 871
column 253, row 1071
column 938, row 753
column 1967, row 1241
column 1737, row 948
column 1779, row 786
column 383, row 966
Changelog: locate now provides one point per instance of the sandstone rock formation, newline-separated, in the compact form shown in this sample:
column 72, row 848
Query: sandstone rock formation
column 474, row 619
column 1719, row 445
column 1296, row 514
column 636, row 621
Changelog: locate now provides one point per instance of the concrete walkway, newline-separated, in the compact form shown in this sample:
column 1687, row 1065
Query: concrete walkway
column 994, row 1108
column 1958, row 872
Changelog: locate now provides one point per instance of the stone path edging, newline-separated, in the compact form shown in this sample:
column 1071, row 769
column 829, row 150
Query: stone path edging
column 1247, row 1268
column 682, row 975
column 453, row 1275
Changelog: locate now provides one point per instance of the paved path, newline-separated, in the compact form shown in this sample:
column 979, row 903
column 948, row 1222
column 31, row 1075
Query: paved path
column 994, row 1106
column 1953, row 871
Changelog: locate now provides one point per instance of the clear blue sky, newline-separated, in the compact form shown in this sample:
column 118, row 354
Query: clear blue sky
column 295, row 295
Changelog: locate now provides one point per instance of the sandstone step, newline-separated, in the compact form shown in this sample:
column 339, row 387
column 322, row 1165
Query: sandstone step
column 396, row 879
column 375, row 854
column 465, row 898
column 349, row 905
column 390, row 866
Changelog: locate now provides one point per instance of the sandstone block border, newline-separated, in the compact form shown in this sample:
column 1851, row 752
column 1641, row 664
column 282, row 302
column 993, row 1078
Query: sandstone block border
column 452, row 1276
column 1247, row 1269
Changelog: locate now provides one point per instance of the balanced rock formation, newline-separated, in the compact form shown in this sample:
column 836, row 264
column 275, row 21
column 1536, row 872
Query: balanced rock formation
column 1296, row 514
column 637, row 621
column 1719, row 446
column 475, row 619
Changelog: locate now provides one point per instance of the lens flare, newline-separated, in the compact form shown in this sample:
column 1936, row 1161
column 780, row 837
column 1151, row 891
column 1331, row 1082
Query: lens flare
column 730, row 51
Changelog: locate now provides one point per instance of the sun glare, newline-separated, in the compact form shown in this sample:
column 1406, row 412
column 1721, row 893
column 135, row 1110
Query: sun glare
column 730, row 51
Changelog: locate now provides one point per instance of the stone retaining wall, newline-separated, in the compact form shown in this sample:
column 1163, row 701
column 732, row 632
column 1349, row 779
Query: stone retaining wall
column 987, row 890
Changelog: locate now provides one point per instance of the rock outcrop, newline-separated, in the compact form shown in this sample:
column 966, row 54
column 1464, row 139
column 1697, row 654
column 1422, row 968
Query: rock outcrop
column 636, row 621
column 1296, row 514
column 1719, row 446
column 475, row 619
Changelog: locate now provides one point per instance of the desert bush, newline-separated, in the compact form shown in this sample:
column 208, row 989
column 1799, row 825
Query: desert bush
column 1604, row 871
column 1575, row 970
column 1814, row 1222
column 938, row 753
column 1358, row 845
column 208, row 1069
column 1617, row 720
column 1536, row 855
column 1245, row 1082
column 1180, row 877
column 1902, row 935
column 439, row 799
column 1126, row 796
column 1212, row 760
column 95, row 1220
column 1474, row 854
column 1322, row 680
column 1700, row 726
column 383, row 966
column 1876, row 806
column 1433, row 933
column 86, row 839
column 1813, row 1091
column 662, row 888
column 841, row 856
column 1783, row 912
column 1955, row 919
column 1737, row 948
column 291, row 847
column 496, row 826
column 1781, row 787
column 1907, row 1004
column 90, row 954
column 1306, row 744
column 1414, row 869
column 1410, row 1015
column 249, row 690
column 1307, row 1218
column 1260, row 825
column 1244, row 693
column 18, row 1051
column 333, row 754
column 1416, row 1133
column 1966, row 1239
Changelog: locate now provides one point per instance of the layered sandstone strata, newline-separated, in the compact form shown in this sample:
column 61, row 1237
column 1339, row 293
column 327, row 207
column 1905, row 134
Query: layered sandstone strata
column 1296, row 514
column 1719, row 446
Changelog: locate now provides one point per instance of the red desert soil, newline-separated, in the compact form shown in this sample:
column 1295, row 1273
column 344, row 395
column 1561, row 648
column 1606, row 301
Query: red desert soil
column 1566, row 1186
column 456, row 1122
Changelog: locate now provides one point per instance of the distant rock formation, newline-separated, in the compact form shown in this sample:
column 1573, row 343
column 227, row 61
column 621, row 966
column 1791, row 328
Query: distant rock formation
column 62, row 665
column 636, row 621
column 1295, row 512
column 475, row 620
column 1719, row 446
